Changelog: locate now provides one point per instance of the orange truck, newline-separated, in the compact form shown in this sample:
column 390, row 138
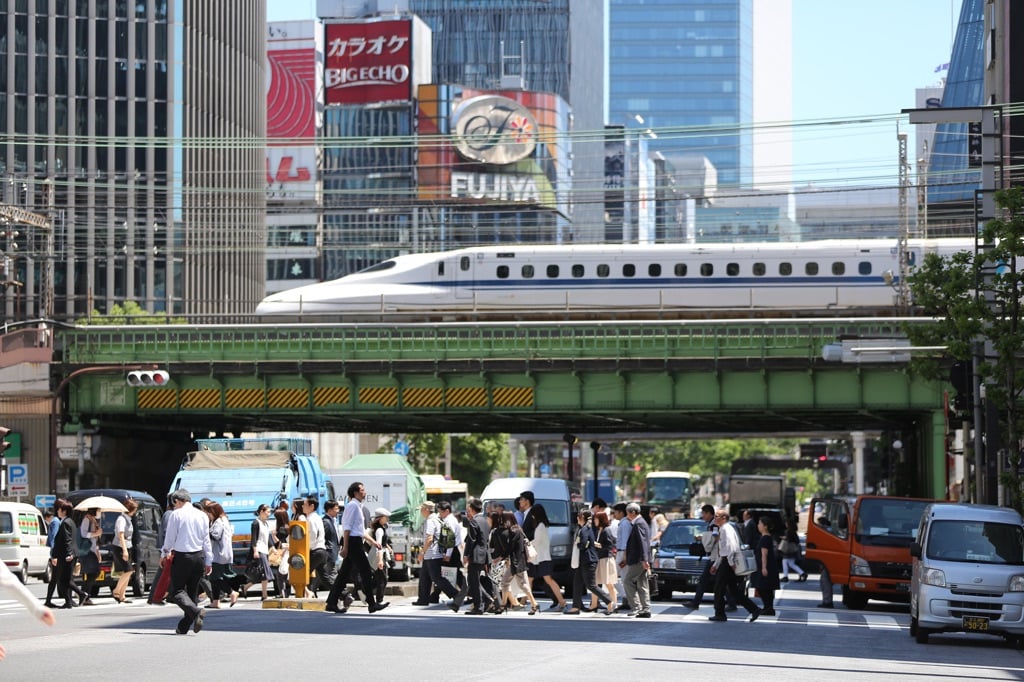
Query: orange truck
column 863, row 545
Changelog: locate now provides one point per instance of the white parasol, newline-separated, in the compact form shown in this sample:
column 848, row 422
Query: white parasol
column 101, row 502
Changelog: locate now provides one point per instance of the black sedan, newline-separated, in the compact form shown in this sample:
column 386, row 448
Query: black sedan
column 679, row 558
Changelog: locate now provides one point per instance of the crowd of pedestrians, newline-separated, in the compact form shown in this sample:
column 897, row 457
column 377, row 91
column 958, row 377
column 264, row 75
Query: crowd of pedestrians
column 491, row 561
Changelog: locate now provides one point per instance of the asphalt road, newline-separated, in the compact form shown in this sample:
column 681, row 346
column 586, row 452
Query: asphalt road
column 108, row 641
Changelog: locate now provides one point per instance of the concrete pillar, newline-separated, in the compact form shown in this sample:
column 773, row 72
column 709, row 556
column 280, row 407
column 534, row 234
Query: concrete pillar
column 858, row 461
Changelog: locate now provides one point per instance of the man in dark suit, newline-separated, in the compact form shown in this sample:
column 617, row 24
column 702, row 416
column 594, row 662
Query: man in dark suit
column 330, row 568
column 62, row 556
column 748, row 532
column 475, row 557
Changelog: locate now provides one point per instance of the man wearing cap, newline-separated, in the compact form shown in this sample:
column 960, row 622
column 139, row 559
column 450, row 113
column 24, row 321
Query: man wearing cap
column 187, row 539
column 378, row 556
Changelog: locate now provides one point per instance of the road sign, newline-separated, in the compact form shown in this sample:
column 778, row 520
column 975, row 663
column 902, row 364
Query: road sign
column 45, row 502
column 17, row 479
column 545, row 469
column 402, row 448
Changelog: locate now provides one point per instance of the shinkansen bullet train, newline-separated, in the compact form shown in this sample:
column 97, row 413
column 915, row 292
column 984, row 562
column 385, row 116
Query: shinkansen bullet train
column 532, row 282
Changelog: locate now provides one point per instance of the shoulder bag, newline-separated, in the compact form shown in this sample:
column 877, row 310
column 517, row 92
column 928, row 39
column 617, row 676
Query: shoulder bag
column 531, row 553
column 743, row 562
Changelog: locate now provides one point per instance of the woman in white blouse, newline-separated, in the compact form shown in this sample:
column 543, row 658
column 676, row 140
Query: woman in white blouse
column 541, row 568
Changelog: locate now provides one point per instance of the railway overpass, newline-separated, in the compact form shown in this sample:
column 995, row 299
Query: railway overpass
column 756, row 376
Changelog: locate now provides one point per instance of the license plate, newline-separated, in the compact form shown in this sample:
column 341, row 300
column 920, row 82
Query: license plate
column 101, row 576
column 975, row 624
column 903, row 587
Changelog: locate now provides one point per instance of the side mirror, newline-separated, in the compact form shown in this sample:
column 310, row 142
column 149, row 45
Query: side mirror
column 915, row 550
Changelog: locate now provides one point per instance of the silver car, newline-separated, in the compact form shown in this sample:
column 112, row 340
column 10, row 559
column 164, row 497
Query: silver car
column 968, row 573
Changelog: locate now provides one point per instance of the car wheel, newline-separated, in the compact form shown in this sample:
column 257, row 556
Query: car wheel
column 23, row 572
column 138, row 581
column 913, row 626
column 48, row 573
column 663, row 593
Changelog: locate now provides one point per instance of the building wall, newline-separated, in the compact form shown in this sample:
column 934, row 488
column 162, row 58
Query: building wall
column 223, row 199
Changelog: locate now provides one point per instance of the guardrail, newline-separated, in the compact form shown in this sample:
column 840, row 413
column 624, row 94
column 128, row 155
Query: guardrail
column 767, row 338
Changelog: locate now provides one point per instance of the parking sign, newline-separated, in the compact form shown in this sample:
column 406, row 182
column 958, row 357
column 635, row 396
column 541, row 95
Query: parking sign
column 17, row 479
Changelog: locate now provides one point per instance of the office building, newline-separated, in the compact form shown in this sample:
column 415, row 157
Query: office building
column 101, row 103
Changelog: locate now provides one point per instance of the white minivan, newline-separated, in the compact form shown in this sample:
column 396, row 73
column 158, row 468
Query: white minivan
column 968, row 573
column 23, row 540
column 557, row 498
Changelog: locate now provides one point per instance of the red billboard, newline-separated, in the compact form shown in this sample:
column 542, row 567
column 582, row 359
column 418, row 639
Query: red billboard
column 368, row 62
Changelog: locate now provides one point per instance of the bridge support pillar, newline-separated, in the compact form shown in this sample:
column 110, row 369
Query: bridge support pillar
column 858, row 461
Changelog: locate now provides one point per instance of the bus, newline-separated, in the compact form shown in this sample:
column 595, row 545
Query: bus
column 671, row 491
column 441, row 489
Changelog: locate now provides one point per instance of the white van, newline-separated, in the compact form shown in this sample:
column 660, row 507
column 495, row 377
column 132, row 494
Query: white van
column 555, row 495
column 968, row 573
column 23, row 540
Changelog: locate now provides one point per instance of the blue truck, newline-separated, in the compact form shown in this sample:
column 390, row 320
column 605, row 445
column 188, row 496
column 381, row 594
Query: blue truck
column 243, row 473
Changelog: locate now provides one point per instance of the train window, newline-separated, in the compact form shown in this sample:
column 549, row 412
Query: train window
column 527, row 272
column 680, row 269
column 603, row 270
column 552, row 271
column 864, row 267
column 629, row 270
column 732, row 269
column 440, row 268
column 785, row 269
column 464, row 263
column 811, row 268
column 577, row 270
column 839, row 268
column 759, row 269
column 502, row 272
column 654, row 270
column 707, row 269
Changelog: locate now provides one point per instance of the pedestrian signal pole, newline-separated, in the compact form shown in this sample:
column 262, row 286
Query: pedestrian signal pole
column 298, row 557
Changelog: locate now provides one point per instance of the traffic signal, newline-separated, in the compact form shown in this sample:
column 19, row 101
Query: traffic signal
column 156, row 377
column 3, row 440
column 298, row 557
column 961, row 375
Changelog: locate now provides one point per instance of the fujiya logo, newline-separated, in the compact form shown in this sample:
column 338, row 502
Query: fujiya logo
column 494, row 130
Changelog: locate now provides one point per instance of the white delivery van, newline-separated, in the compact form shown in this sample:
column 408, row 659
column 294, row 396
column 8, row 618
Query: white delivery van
column 23, row 540
column 968, row 572
column 558, row 503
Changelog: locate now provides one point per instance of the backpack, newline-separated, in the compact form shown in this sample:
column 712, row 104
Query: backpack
column 446, row 537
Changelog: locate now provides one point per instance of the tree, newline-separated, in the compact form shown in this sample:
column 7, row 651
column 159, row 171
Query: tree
column 977, row 298
column 475, row 456
column 128, row 312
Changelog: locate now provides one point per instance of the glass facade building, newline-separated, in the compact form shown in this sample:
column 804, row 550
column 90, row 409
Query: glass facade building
column 680, row 64
column 953, row 176
column 98, row 96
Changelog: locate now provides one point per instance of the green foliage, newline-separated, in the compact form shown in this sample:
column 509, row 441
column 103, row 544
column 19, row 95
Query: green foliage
column 129, row 312
column 475, row 456
column 700, row 457
column 978, row 298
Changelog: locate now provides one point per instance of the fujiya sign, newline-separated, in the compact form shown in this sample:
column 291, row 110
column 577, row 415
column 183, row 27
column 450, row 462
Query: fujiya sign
column 493, row 130
column 495, row 187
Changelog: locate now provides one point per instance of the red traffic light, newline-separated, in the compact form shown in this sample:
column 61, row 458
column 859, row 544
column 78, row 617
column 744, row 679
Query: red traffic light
column 822, row 458
column 148, row 378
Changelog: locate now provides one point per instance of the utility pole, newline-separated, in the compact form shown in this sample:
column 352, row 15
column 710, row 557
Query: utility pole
column 903, row 253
